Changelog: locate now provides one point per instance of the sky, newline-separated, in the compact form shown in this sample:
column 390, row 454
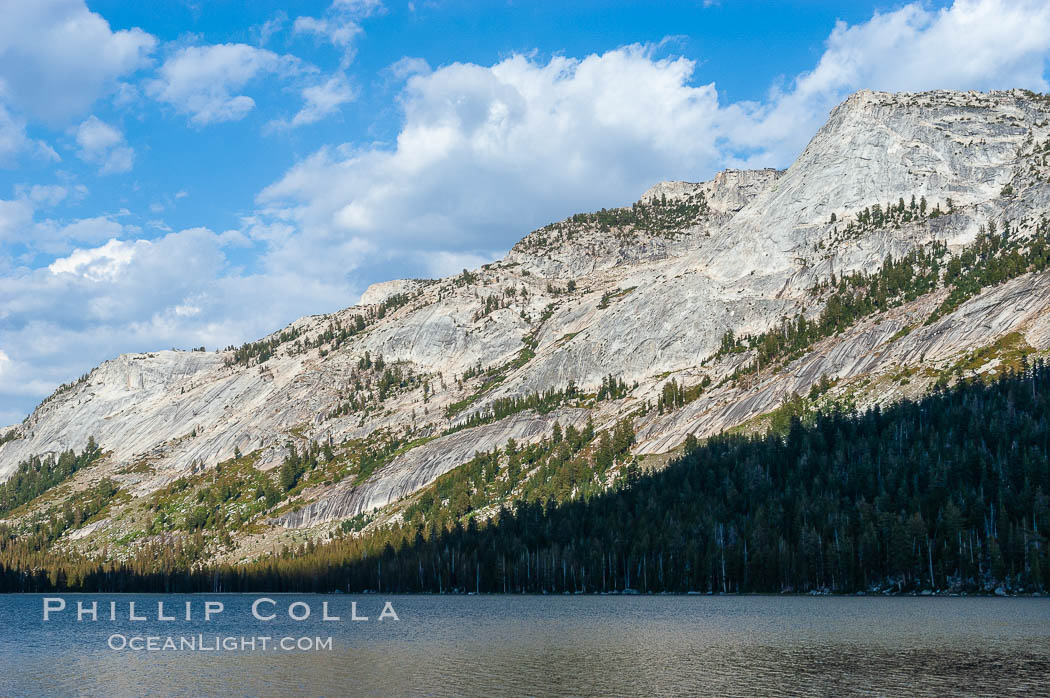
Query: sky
column 182, row 173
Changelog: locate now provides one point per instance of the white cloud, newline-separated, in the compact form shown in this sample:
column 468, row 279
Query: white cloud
column 44, row 194
column 444, row 263
column 201, row 81
column 18, row 226
column 104, row 145
column 12, row 137
column 337, row 32
column 15, row 216
column 94, row 136
column 340, row 24
column 485, row 153
column 53, row 236
column 321, row 100
column 408, row 66
column 57, row 57
column 100, row 263
column 267, row 29
column 358, row 8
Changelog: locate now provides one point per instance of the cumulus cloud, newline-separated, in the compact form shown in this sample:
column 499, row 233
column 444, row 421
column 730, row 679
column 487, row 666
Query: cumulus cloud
column 97, row 302
column 104, row 145
column 47, row 194
column 57, row 57
column 93, row 229
column 486, row 152
column 100, row 263
column 202, row 81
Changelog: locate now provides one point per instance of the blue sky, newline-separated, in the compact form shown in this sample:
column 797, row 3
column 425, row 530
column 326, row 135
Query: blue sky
column 177, row 174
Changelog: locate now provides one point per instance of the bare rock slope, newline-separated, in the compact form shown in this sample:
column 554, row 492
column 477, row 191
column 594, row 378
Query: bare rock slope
column 647, row 294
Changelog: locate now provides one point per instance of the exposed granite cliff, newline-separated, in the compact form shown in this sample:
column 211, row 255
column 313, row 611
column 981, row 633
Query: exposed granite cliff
column 644, row 293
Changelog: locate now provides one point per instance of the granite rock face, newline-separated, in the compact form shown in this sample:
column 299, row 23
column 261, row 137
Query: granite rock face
column 644, row 293
column 424, row 464
column 377, row 293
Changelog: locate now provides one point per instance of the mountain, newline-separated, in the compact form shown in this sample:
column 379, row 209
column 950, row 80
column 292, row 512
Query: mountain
column 904, row 249
column 875, row 502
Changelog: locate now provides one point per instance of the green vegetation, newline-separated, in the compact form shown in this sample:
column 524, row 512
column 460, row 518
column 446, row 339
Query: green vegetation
column 377, row 452
column 610, row 296
column 571, row 464
column 492, row 377
column 357, row 523
column 803, row 409
column 223, row 499
column 35, row 476
column 848, row 299
column 372, row 382
column 612, row 388
column 255, row 353
column 947, row 493
column 500, row 408
column 467, row 278
column 500, row 300
column 236, row 495
column 263, row 350
column 30, row 545
column 675, row 395
column 991, row 259
column 654, row 217
column 877, row 216
column 65, row 387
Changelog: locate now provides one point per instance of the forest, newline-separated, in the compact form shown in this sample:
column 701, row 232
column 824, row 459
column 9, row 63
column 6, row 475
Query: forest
column 948, row 493
column 36, row 475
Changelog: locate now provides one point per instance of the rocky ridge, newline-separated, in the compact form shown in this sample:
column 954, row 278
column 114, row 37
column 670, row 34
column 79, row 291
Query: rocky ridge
column 645, row 293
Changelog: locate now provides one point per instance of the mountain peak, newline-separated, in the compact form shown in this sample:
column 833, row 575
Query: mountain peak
column 674, row 315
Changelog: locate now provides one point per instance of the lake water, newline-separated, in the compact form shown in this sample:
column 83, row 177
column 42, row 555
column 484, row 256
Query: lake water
column 536, row 645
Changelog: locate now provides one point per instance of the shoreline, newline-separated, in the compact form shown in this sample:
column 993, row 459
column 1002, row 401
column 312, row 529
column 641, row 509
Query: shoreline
column 768, row 594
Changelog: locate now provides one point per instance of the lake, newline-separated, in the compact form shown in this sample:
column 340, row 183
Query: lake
column 530, row 645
